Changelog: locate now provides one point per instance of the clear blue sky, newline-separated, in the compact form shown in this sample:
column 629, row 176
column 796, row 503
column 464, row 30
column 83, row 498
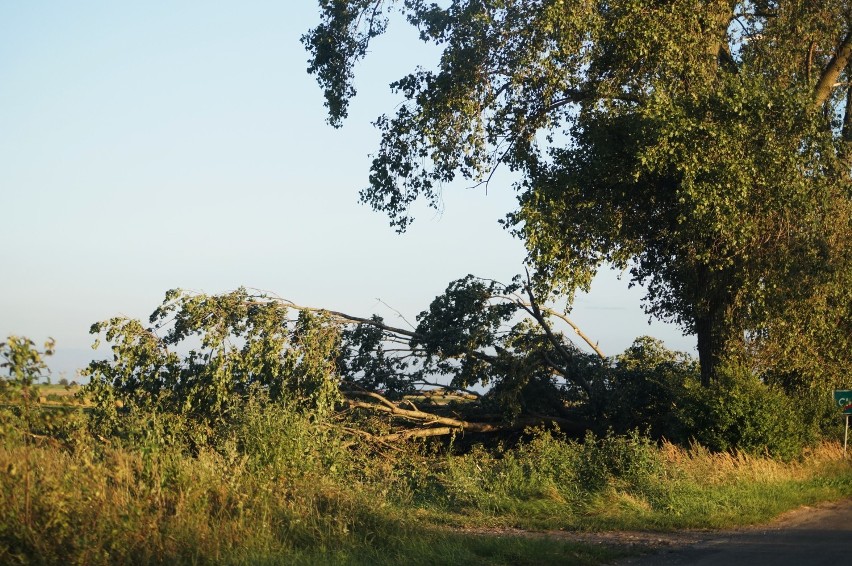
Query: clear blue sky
column 152, row 145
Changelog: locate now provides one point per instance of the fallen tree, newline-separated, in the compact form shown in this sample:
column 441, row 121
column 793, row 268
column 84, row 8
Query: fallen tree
column 492, row 349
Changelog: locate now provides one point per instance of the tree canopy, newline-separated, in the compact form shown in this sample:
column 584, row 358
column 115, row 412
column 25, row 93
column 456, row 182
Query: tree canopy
column 703, row 145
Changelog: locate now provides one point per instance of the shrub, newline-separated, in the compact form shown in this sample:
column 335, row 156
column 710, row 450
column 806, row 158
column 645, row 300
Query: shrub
column 278, row 439
column 630, row 460
column 741, row 413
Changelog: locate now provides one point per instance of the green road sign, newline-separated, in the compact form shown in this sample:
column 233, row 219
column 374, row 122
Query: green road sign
column 843, row 400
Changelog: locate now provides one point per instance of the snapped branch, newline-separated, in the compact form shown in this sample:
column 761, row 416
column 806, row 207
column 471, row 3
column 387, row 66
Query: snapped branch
column 447, row 425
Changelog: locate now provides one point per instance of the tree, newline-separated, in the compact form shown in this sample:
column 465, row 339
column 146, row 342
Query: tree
column 24, row 366
column 202, row 357
column 704, row 145
column 205, row 357
column 477, row 333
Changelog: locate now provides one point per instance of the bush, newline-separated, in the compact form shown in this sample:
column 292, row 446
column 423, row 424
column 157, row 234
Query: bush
column 275, row 438
column 547, row 466
column 741, row 413
column 657, row 390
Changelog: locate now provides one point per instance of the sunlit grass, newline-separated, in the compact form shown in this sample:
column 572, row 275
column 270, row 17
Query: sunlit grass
column 83, row 501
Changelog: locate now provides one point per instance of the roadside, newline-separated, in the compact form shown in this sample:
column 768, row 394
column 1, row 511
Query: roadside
column 815, row 535
column 818, row 534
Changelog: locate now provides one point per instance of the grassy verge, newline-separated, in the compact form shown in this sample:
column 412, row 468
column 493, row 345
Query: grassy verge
column 128, row 507
column 627, row 483
column 428, row 549
column 294, row 495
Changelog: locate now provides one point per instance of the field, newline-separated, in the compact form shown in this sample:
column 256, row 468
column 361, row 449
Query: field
column 61, row 395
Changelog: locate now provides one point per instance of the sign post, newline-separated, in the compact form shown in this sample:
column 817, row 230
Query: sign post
column 843, row 400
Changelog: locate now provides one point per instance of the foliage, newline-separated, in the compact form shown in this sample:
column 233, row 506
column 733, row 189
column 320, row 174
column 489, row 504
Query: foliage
column 24, row 364
column 367, row 358
column 244, row 355
column 275, row 439
column 657, row 391
column 621, row 482
column 549, row 467
column 125, row 505
column 648, row 389
column 232, row 343
column 740, row 412
column 478, row 332
column 704, row 147
column 188, row 378
column 286, row 486
column 25, row 367
column 474, row 333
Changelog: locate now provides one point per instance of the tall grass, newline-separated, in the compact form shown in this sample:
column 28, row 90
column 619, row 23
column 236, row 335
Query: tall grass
column 630, row 482
column 283, row 488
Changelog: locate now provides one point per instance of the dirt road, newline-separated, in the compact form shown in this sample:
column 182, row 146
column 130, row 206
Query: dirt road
column 815, row 536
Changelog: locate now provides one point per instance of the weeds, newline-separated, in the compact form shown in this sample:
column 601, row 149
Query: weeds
column 269, row 481
column 284, row 487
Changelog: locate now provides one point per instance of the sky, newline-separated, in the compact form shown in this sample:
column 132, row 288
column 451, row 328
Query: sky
column 154, row 145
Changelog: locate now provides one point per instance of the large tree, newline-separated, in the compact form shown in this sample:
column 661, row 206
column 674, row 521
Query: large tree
column 701, row 144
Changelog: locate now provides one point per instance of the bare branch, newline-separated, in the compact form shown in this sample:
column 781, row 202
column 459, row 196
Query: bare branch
column 418, row 433
column 560, row 347
column 399, row 314
column 372, row 395
column 451, row 425
column 423, row 416
column 469, row 394
column 580, row 333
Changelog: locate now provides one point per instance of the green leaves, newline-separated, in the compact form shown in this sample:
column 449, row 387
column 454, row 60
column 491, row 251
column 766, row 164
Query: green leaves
column 370, row 357
column 337, row 43
column 22, row 361
column 215, row 350
column 463, row 319
column 694, row 144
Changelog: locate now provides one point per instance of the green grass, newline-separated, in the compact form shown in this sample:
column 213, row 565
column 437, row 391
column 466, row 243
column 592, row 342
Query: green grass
column 437, row 548
column 123, row 507
column 670, row 488
column 283, row 491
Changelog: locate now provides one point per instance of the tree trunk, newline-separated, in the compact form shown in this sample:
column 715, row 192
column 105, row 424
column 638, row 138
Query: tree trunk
column 707, row 349
column 714, row 338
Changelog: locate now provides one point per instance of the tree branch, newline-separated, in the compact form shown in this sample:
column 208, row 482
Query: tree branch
column 451, row 425
column 838, row 62
column 580, row 333
column 809, row 61
column 560, row 347
column 396, row 411
column 461, row 391
column 567, row 320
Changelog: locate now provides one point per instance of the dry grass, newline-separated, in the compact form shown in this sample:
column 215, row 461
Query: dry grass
column 699, row 464
column 86, row 502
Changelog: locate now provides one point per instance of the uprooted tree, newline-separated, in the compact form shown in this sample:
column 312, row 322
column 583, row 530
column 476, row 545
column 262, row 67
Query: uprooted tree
column 203, row 355
column 703, row 145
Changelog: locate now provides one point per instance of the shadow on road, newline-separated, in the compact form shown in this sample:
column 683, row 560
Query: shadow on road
column 808, row 536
